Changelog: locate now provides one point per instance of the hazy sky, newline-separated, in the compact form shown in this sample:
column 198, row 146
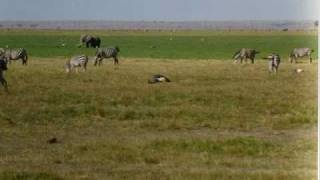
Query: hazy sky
column 166, row 10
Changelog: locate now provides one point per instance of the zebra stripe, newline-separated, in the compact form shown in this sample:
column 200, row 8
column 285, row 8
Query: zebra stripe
column 299, row 53
column 245, row 53
column 75, row 62
column 109, row 52
column 274, row 62
column 16, row 54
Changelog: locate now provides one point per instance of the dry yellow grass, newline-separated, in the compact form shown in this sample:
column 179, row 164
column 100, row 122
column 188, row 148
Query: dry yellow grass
column 214, row 120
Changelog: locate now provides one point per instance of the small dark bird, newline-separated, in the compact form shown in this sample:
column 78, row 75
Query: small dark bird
column 158, row 78
column 52, row 141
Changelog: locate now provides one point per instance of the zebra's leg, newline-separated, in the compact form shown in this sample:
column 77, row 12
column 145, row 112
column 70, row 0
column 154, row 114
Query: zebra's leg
column 96, row 60
column 241, row 59
column 252, row 60
column 115, row 61
column 25, row 59
column 4, row 84
column 100, row 61
column 310, row 59
column 295, row 59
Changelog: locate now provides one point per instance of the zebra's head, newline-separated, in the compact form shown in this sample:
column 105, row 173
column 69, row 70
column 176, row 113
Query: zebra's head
column 117, row 48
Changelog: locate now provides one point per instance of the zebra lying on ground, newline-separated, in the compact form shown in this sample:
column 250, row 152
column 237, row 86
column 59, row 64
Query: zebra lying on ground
column 14, row 54
column 109, row 52
column 75, row 62
column 299, row 53
column 158, row 78
column 245, row 53
column 3, row 67
column 274, row 62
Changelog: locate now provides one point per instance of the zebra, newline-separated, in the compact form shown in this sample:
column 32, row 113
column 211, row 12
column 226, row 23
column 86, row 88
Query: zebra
column 109, row 52
column 75, row 62
column 274, row 62
column 299, row 53
column 245, row 53
column 90, row 41
column 14, row 54
column 158, row 78
column 3, row 67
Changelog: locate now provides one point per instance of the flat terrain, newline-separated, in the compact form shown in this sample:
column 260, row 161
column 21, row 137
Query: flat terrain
column 215, row 120
column 161, row 44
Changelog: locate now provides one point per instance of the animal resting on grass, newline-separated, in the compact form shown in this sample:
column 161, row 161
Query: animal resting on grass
column 158, row 78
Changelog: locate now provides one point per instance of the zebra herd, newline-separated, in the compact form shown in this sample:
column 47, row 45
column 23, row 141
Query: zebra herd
column 274, row 59
column 81, row 61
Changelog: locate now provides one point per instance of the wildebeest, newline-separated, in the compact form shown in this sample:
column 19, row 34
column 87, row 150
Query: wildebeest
column 274, row 62
column 109, row 52
column 90, row 41
column 245, row 53
column 3, row 67
column 299, row 53
column 75, row 62
column 15, row 54
column 158, row 78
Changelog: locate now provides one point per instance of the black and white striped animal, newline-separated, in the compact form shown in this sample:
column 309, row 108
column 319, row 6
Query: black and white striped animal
column 90, row 41
column 245, row 53
column 15, row 54
column 3, row 67
column 79, row 61
column 109, row 52
column 299, row 53
column 157, row 78
column 274, row 62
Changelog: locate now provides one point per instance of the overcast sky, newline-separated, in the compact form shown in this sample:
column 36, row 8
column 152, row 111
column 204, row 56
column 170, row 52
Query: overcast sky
column 164, row 10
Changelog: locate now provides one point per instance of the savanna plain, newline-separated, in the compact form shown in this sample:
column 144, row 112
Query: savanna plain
column 215, row 120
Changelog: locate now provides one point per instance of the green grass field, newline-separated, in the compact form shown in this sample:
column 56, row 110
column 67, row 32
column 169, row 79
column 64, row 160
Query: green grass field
column 166, row 44
column 215, row 120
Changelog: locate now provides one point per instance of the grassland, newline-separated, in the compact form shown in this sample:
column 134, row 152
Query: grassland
column 215, row 120
column 165, row 44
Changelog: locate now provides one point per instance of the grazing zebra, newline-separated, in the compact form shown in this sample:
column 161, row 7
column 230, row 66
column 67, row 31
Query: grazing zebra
column 245, row 53
column 3, row 67
column 158, row 78
column 274, row 62
column 109, row 52
column 299, row 53
column 75, row 62
column 90, row 41
column 15, row 54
